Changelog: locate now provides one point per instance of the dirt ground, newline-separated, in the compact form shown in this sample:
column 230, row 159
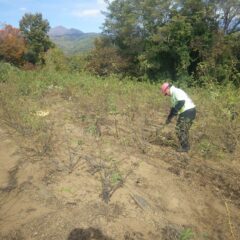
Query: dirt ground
column 96, row 183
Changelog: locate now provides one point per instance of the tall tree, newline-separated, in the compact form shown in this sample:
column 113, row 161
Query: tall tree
column 200, row 14
column 169, row 51
column 34, row 29
column 12, row 45
column 131, row 23
column 122, row 27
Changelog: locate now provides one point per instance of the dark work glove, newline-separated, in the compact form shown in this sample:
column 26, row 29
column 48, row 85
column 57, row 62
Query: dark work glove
column 167, row 121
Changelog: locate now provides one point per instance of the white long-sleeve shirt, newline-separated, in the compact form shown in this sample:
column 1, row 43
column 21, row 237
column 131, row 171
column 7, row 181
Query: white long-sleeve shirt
column 178, row 94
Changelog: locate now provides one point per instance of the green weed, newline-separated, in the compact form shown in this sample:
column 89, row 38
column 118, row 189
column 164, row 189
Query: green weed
column 186, row 234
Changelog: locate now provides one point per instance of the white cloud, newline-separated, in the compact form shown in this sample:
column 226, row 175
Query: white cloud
column 87, row 13
column 85, row 10
column 23, row 9
column 100, row 2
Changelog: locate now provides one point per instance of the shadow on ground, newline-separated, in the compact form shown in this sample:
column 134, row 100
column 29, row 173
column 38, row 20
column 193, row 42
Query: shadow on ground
column 87, row 234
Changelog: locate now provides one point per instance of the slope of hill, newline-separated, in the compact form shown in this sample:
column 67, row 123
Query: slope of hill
column 72, row 41
column 84, row 157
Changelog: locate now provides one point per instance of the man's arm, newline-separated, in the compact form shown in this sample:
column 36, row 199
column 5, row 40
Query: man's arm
column 174, row 110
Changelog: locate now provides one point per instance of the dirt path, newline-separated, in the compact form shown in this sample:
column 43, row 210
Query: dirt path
column 9, row 161
column 162, row 196
column 17, row 205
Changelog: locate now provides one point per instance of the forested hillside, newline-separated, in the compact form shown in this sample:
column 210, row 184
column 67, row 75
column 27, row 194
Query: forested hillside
column 72, row 41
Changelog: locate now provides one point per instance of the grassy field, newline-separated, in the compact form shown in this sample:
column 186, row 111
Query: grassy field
column 215, row 132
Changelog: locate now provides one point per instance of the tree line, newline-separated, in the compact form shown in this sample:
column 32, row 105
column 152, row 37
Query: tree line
column 195, row 41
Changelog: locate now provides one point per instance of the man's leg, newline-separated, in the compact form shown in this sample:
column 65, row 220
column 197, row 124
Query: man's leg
column 182, row 131
column 184, row 123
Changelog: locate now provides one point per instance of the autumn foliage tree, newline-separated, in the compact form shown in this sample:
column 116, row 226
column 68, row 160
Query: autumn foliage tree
column 12, row 45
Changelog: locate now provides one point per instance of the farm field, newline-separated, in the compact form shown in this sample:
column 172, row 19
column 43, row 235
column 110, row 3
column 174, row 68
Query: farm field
column 89, row 158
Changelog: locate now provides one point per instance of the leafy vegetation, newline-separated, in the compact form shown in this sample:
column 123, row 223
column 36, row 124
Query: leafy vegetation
column 186, row 234
column 190, row 41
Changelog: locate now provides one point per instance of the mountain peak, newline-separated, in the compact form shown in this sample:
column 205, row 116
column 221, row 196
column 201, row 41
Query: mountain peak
column 62, row 31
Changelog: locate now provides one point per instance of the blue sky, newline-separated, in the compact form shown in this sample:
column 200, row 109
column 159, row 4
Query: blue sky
column 84, row 15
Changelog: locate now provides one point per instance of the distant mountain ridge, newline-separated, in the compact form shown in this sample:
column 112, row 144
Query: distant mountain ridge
column 72, row 41
column 61, row 31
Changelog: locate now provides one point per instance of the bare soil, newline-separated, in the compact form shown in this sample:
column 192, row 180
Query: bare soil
column 100, row 181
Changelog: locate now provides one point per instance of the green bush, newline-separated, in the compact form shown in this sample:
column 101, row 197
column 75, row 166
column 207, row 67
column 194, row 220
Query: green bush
column 55, row 60
column 6, row 69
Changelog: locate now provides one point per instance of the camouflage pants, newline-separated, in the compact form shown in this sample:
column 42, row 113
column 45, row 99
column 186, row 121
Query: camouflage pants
column 183, row 126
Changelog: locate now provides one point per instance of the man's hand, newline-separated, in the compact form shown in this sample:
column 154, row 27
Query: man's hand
column 167, row 121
